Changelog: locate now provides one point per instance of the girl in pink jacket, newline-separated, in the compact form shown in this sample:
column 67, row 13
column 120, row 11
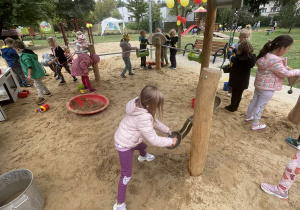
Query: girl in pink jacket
column 272, row 69
column 139, row 124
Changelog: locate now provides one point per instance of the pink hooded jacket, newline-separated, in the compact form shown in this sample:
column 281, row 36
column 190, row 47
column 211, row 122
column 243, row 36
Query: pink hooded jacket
column 137, row 125
column 271, row 72
column 82, row 40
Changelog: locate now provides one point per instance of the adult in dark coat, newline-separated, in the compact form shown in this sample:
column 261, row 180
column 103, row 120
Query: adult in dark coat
column 240, row 73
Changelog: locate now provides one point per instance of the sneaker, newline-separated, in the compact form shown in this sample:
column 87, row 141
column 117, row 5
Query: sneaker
column 293, row 142
column 122, row 75
column 130, row 73
column 165, row 65
column 93, row 90
column 274, row 190
column 58, row 78
column 229, row 94
column 74, row 79
column 258, row 127
column 55, row 74
column 62, row 82
column 248, row 119
column 142, row 67
column 148, row 157
column 25, row 85
column 40, row 101
column 119, row 207
column 86, row 88
column 230, row 108
column 173, row 68
column 48, row 94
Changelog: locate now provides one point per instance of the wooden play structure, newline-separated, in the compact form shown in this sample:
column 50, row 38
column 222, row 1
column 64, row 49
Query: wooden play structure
column 91, row 41
column 294, row 115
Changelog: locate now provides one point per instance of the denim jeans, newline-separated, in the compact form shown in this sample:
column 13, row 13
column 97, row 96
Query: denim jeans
column 127, row 65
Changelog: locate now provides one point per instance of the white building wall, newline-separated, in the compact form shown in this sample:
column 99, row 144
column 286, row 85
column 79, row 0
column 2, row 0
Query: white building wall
column 269, row 10
column 126, row 14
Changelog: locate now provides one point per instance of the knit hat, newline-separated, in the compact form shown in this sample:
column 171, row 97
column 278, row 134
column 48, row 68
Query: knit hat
column 95, row 58
column 126, row 36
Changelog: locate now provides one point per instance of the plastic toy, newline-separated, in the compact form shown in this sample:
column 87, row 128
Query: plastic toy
column 194, row 57
column 43, row 108
column 152, row 63
column 81, row 86
column 82, row 91
column 142, row 53
column 23, row 94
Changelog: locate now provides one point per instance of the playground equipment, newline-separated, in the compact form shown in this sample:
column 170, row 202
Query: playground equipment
column 142, row 53
column 189, row 124
column 87, row 104
column 294, row 115
column 192, row 56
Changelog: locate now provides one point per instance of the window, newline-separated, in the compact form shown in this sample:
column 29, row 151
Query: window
column 273, row 9
column 129, row 19
column 263, row 10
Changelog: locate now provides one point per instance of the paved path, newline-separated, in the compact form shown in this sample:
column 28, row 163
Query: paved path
column 195, row 67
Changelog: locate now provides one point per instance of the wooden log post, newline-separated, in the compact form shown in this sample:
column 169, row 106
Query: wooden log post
column 95, row 65
column 158, row 53
column 205, row 96
column 294, row 115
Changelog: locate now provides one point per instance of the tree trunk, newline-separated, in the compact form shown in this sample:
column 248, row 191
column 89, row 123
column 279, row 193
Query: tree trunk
column 290, row 29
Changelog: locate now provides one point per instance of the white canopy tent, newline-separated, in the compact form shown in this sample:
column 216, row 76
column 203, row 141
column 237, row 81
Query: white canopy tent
column 111, row 23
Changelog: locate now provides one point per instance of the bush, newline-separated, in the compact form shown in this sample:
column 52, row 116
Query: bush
column 264, row 21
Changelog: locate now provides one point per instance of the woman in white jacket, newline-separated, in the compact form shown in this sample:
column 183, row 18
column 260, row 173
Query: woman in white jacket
column 139, row 124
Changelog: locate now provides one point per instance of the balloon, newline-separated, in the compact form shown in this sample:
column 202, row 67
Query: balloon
column 197, row 1
column 204, row 1
column 178, row 22
column 184, row 3
column 183, row 20
column 91, row 25
column 87, row 25
column 170, row 3
column 178, row 17
column 179, row 1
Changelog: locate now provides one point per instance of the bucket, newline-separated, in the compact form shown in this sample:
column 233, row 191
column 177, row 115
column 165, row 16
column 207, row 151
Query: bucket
column 18, row 190
column 225, row 87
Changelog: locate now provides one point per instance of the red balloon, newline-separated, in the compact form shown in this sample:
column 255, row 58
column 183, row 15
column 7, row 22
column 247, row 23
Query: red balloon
column 197, row 1
column 183, row 20
column 178, row 17
column 179, row 1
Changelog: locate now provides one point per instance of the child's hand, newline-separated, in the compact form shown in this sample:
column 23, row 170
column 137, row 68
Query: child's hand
column 174, row 140
column 170, row 133
column 49, row 63
column 28, row 78
column 289, row 68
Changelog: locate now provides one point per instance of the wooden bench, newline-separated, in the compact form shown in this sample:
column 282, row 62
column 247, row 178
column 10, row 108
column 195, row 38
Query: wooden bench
column 218, row 48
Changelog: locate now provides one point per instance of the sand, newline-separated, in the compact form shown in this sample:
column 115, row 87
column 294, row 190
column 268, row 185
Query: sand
column 74, row 160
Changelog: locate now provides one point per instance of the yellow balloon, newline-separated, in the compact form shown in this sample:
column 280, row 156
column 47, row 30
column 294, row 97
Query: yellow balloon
column 204, row 1
column 170, row 3
column 184, row 3
column 87, row 25
column 178, row 22
column 91, row 25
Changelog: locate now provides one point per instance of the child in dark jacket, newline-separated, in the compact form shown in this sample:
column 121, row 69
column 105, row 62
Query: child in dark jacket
column 240, row 73
column 12, row 59
column 173, row 41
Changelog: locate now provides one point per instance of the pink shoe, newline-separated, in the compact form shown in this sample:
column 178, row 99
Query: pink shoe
column 274, row 190
column 93, row 90
column 258, row 127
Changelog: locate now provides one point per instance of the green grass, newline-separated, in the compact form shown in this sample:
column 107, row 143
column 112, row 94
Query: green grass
column 258, row 39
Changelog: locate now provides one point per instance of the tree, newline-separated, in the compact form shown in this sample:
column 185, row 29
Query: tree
column 116, row 14
column 24, row 13
column 244, row 17
column 120, row 3
column 289, row 15
column 254, row 5
column 104, row 9
column 138, row 8
column 224, row 15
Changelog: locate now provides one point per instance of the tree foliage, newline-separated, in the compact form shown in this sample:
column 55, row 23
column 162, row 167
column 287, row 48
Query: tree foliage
column 254, row 5
column 104, row 9
column 138, row 9
column 289, row 15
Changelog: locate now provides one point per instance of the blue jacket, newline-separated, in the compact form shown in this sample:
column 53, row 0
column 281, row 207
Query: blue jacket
column 10, row 55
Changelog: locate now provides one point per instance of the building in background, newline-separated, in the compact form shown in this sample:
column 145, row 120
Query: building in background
column 269, row 10
column 126, row 15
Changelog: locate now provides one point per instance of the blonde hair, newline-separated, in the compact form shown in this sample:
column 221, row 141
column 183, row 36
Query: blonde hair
column 172, row 31
column 249, row 27
column 152, row 100
column 78, row 33
column 158, row 29
column 52, row 40
column 245, row 47
column 245, row 31
column 66, row 49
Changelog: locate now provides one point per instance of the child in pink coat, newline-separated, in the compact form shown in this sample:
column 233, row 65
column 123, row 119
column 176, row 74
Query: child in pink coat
column 80, row 68
column 81, row 42
column 139, row 124
column 272, row 69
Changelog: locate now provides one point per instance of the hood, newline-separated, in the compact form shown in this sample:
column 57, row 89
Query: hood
column 269, row 60
column 132, row 109
column 81, row 37
column 5, row 49
column 30, row 53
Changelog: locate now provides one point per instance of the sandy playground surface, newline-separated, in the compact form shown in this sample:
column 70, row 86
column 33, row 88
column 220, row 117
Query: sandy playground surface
column 75, row 162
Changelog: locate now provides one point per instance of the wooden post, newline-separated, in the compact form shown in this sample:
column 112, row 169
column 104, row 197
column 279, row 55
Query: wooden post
column 63, row 33
column 205, row 96
column 294, row 115
column 158, row 53
column 95, row 65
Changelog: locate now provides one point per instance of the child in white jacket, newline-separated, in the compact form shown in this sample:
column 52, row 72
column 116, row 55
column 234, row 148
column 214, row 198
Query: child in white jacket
column 139, row 123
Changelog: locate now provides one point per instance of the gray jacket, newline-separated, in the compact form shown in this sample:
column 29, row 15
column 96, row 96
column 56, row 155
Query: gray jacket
column 126, row 48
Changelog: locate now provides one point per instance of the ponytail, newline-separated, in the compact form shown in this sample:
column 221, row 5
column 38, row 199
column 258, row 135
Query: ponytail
column 278, row 42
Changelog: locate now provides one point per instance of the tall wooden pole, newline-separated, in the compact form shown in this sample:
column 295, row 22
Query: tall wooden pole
column 158, row 53
column 95, row 65
column 294, row 115
column 205, row 96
